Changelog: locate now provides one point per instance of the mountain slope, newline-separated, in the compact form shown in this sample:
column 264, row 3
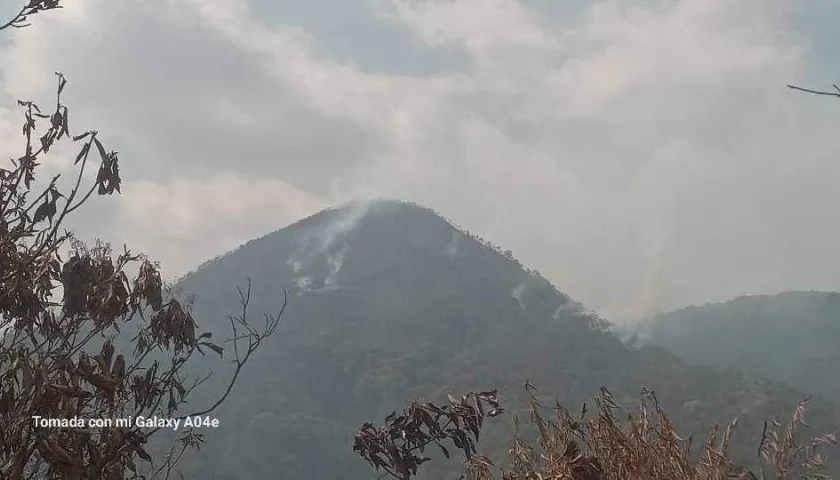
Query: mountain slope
column 792, row 337
column 390, row 302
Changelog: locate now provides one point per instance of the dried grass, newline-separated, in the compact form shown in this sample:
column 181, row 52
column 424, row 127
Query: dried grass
column 597, row 446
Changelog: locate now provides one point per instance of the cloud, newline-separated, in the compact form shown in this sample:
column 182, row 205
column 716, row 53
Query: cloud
column 224, row 209
column 641, row 154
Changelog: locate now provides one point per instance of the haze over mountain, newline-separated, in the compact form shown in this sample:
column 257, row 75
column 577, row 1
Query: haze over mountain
column 390, row 302
column 644, row 155
column 792, row 337
column 550, row 126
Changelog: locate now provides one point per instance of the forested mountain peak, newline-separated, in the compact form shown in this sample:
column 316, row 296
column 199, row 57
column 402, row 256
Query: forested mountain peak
column 346, row 247
column 388, row 301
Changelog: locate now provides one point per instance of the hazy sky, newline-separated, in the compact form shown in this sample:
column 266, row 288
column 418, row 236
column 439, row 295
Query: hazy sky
column 642, row 155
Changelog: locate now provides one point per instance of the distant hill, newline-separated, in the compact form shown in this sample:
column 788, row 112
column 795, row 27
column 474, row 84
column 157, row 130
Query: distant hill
column 390, row 302
column 793, row 337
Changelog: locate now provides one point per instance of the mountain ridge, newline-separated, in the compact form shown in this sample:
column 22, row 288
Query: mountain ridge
column 400, row 304
column 795, row 336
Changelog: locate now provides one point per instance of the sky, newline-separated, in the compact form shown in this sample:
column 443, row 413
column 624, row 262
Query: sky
column 642, row 155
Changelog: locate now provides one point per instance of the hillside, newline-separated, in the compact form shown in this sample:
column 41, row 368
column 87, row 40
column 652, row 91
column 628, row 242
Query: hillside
column 389, row 302
column 793, row 337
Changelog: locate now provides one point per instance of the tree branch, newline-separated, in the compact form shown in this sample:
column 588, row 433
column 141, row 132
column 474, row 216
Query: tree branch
column 817, row 92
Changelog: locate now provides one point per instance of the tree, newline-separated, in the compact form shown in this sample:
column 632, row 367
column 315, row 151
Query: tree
column 396, row 447
column 63, row 361
column 589, row 446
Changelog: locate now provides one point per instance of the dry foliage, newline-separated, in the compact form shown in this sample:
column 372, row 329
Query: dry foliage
column 60, row 357
column 596, row 446
column 397, row 446
column 647, row 446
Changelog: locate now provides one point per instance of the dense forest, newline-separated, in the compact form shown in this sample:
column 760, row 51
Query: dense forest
column 388, row 303
column 793, row 337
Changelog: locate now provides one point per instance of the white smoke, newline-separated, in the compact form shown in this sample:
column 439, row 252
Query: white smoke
column 304, row 284
column 566, row 305
column 633, row 335
column 343, row 224
column 452, row 249
column 315, row 243
column 517, row 294
column 334, row 262
column 295, row 264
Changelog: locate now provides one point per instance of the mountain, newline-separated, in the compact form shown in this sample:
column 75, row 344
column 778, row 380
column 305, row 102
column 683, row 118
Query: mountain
column 792, row 337
column 390, row 302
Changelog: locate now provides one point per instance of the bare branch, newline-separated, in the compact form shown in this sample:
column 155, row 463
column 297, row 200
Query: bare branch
column 836, row 93
column 31, row 8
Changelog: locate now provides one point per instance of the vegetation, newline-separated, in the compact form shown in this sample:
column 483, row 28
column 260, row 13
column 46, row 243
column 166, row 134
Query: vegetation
column 773, row 323
column 62, row 307
column 397, row 305
column 390, row 304
column 584, row 447
column 395, row 447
